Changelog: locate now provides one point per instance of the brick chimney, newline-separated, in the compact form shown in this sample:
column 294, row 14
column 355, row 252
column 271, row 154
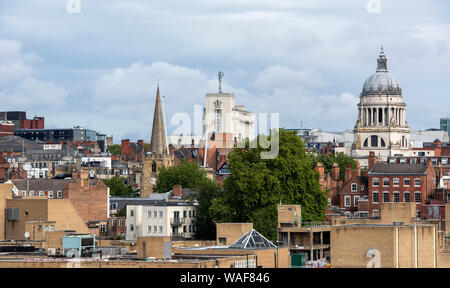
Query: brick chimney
column 372, row 160
column 321, row 170
column 358, row 169
column 176, row 190
column 335, row 171
column 348, row 173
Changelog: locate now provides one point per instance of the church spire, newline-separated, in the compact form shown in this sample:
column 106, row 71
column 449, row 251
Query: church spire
column 382, row 61
column 158, row 141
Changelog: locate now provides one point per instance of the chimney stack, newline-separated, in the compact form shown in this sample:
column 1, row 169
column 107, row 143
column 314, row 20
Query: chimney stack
column 335, row 171
column 372, row 160
column 321, row 170
column 176, row 190
column 348, row 173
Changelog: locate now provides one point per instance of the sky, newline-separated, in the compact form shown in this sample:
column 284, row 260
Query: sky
column 306, row 60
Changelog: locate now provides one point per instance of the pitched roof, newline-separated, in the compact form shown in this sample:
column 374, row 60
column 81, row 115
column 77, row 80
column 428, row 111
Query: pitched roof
column 41, row 184
column 398, row 169
column 252, row 239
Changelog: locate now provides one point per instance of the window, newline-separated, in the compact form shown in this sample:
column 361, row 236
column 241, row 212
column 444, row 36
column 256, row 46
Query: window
column 131, row 227
column 190, row 228
column 356, row 200
column 149, row 213
column 374, row 141
column 155, row 214
column 329, row 201
column 24, row 193
column 50, row 194
column 421, row 154
column 402, row 160
column 417, row 182
column 52, row 227
column 385, row 182
column 102, row 228
column 41, row 193
column 348, row 214
column 190, row 214
column 184, row 228
column 184, row 214
column 392, row 160
column 396, row 196
column 45, row 227
column 362, row 187
column 375, row 197
column 434, row 161
column 413, row 161
column 423, row 161
column 155, row 229
column 131, row 213
column 347, row 201
column 160, row 229
column 385, row 197
column 149, row 228
column 407, row 197
column 354, row 187
column 417, row 197
column 375, row 182
column 375, row 213
column 160, row 214
column 59, row 194
column 406, row 182
column 31, row 194
column 396, row 182
column 120, row 222
column 444, row 161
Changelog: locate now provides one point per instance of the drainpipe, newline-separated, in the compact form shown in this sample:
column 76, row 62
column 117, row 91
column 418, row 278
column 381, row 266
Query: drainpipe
column 396, row 247
column 434, row 247
column 415, row 245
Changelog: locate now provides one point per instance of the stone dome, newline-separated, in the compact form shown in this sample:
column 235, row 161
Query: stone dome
column 382, row 82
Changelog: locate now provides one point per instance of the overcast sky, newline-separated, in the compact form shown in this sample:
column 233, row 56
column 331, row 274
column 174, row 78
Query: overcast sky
column 306, row 60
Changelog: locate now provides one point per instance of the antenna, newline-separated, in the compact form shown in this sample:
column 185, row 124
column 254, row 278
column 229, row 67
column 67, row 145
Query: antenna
column 220, row 75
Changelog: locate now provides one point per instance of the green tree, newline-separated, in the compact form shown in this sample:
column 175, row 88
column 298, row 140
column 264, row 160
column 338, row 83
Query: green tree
column 340, row 158
column 115, row 149
column 256, row 186
column 117, row 188
column 190, row 175
column 187, row 174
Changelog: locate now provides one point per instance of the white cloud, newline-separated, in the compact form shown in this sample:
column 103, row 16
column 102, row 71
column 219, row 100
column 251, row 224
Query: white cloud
column 20, row 86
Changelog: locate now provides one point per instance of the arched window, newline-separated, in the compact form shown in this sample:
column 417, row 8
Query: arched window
column 366, row 143
column 383, row 144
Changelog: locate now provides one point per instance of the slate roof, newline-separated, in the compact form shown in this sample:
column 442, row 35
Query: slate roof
column 41, row 184
column 398, row 169
column 16, row 143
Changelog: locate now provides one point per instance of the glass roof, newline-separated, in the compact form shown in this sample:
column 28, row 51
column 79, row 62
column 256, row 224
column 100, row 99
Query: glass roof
column 252, row 239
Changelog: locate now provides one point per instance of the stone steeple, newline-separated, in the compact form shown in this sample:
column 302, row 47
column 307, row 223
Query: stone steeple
column 158, row 141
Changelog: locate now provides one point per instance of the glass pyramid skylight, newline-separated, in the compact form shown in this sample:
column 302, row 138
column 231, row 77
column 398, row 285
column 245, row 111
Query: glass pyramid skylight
column 252, row 239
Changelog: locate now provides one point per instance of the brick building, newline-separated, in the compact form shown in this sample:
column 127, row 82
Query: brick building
column 399, row 183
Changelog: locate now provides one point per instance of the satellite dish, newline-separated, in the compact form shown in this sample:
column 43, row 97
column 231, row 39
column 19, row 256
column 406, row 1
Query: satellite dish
column 27, row 235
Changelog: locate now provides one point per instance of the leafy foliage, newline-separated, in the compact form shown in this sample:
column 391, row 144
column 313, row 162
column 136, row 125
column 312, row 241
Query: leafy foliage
column 117, row 188
column 256, row 186
column 341, row 159
column 115, row 149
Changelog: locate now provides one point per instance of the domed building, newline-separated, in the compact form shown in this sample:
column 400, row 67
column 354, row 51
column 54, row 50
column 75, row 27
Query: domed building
column 381, row 126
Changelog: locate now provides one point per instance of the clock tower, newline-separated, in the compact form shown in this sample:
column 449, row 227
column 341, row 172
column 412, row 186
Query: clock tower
column 158, row 156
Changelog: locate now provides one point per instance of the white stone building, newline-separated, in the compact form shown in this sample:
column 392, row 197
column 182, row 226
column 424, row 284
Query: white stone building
column 221, row 115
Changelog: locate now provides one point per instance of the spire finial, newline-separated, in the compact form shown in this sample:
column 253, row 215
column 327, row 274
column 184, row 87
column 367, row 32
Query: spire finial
column 220, row 80
column 382, row 61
